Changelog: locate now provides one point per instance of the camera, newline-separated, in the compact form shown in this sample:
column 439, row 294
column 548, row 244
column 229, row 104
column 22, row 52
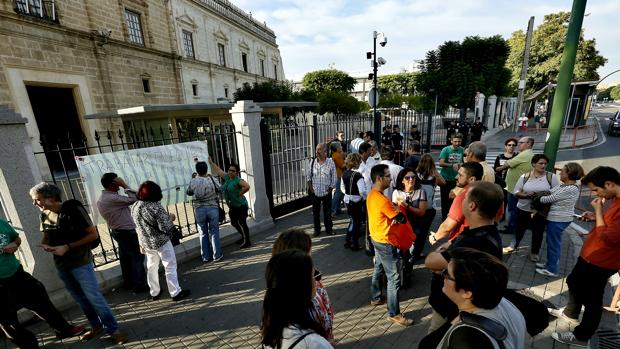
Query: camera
column 383, row 41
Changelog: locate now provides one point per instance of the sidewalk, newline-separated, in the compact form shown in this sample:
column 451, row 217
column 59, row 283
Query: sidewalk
column 224, row 310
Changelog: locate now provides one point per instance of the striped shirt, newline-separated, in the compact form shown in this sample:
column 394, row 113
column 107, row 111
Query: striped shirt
column 563, row 199
column 323, row 176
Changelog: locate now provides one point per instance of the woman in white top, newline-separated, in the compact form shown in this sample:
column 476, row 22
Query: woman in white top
column 562, row 199
column 287, row 321
column 355, row 192
column 528, row 185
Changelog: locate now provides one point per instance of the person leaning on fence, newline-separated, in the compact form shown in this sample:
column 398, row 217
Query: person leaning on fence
column 154, row 226
column 562, row 200
column 234, row 189
column 476, row 282
column 18, row 289
column 287, row 320
column 204, row 188
column 355, row 192
column 322, row 310
column 598, row 259
column 322, row 180
column 68, row 234
column 114, row 208
column 381, row 214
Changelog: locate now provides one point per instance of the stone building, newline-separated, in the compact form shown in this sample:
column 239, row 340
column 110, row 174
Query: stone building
column 61, row 60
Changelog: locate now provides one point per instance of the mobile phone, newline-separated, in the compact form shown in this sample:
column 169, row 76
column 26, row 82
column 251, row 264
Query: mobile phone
column 577, row 215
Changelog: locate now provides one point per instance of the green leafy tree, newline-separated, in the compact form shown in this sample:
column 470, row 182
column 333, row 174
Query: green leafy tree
column 615, row 93
column 272, row 91
column 457, row 70
column 339, row 103
column 546, row 54
column 401, row 84
column 604, row 93
column 328, row 80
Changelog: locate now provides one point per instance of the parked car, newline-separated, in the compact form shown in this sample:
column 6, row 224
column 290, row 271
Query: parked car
column 614, row 125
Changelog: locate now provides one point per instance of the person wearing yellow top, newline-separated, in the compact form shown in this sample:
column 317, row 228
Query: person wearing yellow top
column 381, row 213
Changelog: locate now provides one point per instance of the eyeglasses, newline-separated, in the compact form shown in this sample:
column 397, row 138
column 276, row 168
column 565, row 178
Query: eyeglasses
column 445, row 275
column 409, row 178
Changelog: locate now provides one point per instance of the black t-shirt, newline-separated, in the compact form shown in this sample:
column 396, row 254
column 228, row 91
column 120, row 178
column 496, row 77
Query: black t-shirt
column 386, row 138
column 397, row 141
column 485, row 239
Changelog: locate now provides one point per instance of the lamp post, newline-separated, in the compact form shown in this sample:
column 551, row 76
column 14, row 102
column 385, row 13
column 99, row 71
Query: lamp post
column 374, row 99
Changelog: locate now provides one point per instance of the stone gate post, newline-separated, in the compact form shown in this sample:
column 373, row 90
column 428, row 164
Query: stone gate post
column 246, row 116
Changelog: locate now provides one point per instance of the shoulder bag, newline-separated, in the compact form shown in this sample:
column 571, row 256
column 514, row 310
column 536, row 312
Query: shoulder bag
column 222, row 213
column 175, row 233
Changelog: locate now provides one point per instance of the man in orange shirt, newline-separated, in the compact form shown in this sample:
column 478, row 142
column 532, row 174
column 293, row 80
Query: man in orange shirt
column 382, row 213
column 598, row 260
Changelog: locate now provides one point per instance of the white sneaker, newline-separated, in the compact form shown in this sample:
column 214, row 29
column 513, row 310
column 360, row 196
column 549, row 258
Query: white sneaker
column 559, row 313
column 508, row 249
column 568, row 338
column 545, row 272
column 541, row 265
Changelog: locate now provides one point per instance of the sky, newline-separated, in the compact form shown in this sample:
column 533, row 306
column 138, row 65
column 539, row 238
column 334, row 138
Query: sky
column 319, row 34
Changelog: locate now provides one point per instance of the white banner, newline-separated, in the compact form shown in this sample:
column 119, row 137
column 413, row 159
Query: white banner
column 171, row 166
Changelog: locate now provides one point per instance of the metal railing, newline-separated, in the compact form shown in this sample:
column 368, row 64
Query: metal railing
column 235, row 14
column 59, row 156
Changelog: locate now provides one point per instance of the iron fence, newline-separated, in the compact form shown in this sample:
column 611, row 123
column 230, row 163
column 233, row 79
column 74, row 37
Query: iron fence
column 58, row 165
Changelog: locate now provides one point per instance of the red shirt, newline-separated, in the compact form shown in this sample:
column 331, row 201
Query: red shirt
column 602, row 247
column 456, row 213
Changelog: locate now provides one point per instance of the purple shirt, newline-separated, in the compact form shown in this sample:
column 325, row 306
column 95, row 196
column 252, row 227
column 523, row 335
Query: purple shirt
column 114, row 208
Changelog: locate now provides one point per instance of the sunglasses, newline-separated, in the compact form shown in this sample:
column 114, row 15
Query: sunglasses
column 409, row 178
column 445, row 275
column 511, row 145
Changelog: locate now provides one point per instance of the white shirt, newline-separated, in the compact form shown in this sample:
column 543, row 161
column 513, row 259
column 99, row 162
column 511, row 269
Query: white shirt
column 361, row 187
column 394, row 171
column 312, row 341
column 355, row 145
column 365, row 168
column 533, row 185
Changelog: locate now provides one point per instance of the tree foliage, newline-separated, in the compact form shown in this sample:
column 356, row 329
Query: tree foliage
column 455, row 71
column 339, row 102
column 328, row 80
column 615, row 93
column 272, row 91
column 401, row 84
column 546, row 50
column 604, row 93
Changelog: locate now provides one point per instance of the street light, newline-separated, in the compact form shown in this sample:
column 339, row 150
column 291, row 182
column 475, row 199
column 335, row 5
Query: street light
column 374, row 99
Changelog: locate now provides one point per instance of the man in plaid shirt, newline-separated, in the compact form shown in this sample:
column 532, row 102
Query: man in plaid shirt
column 322, row 175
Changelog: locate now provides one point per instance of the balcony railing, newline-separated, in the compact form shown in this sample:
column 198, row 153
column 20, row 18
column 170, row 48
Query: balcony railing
column 44, row 9
column 235, row 14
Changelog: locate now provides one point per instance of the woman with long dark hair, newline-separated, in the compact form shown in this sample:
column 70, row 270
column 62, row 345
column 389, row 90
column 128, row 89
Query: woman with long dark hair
column 234, row 189
column 154, row 227
column 510, row 151
column 428, row 179
column 287, row 320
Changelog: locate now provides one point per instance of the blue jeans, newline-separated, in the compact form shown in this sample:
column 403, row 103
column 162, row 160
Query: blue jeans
column 208, row 222
column 81, row 282
column 512, row 213
column 132, row 261
column 554, row 244
column 388, row 261
column 337, row 199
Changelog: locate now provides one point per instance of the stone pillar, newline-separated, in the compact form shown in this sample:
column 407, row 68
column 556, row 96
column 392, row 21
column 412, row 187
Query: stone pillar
column 18, row 173
column 246, row 116
column 491, row 103
column 478, row 106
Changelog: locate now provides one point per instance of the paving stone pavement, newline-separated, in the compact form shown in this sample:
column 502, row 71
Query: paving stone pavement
column 224, row 309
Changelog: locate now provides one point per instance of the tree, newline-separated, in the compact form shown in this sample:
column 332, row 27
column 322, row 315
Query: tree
column 328, row 80
column 615, row 93
column 401, row 84
column 339, row 103
column 546, row 54
column 457, row 70
column 604, row 93
column 272, row 91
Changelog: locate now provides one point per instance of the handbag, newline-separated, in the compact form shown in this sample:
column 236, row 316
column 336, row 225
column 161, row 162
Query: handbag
column 175, row 233
column 401, row 236
column 539, row 207
column 222, row 213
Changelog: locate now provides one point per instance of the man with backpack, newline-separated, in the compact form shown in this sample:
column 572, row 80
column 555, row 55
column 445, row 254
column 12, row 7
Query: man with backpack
column 69, row 234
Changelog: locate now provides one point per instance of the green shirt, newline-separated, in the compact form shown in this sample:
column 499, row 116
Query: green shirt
column 8, row 262
column 450, row 156
column 520, row 164
column 231, row 190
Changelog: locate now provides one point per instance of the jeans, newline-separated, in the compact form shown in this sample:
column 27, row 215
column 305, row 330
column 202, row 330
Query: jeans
column 388, row 262
column 338, row 196
column 21, row 290
column 512, row 213
column 326, row 201
column 238, row 219
column 586, row 286
column 166, row 255
column 208, row 222
column 132, row 261
column 356, row 213
column 81, row 282
column 554, row 244
column 446, row 202
column 536, row 224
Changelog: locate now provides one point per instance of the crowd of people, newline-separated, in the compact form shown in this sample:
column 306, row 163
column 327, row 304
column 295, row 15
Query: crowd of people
column 391, row 204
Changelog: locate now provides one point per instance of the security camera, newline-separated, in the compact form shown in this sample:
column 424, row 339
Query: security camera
column 381, row 61
column 383, row 40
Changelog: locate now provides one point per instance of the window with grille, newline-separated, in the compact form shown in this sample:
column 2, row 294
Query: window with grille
column 134, row 27
column 244, row 61
column 188, row 44
column 222, row 55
